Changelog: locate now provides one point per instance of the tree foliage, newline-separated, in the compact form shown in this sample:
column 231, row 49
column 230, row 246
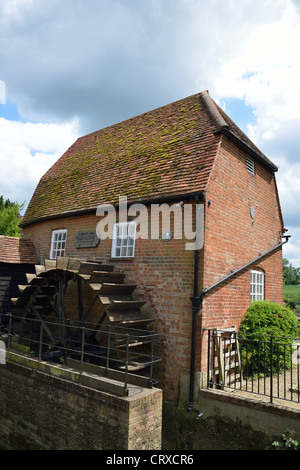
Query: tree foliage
column 10, row 217
column 291, row 275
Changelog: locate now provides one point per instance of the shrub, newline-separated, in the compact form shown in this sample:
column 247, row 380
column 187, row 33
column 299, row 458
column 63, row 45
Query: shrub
column 264, row 321
column 287, row 441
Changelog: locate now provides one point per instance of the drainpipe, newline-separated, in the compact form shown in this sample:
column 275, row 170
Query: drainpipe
column 197, row 300
column 205, row 291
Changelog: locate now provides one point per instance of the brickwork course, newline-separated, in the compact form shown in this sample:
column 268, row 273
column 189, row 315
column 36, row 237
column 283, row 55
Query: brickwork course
column 42, row 412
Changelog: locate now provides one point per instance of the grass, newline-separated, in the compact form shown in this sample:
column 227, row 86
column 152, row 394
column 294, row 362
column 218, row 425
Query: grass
column 292, row 290
column 291, row 297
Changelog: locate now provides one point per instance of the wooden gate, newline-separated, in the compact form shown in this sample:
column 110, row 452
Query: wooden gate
column 227, row 354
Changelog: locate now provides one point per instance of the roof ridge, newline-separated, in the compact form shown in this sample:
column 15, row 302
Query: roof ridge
column 212, row 108
column 137, row 116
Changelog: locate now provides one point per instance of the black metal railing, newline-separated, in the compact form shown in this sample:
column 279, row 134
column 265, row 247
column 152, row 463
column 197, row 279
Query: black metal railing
column 109, row 346
column 263, row 365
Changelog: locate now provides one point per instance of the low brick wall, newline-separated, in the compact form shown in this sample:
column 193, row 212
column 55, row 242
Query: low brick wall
column 222, row 421
column 264, row 417
column 40, row 410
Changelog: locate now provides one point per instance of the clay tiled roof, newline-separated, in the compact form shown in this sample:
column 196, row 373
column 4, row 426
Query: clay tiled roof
column 18, row 251
column 165, row 152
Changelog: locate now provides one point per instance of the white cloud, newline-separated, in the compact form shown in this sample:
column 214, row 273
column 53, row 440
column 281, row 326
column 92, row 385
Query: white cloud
column 266, row 72
column 12, row 7
column 27, row 150
column 288, row 182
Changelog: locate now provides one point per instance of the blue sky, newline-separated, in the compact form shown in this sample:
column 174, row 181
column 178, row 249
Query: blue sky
column 9, row 111
column 239, row 112
column 70, row 67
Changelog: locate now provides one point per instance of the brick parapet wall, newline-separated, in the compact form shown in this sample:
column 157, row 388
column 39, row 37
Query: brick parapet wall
column 40, row 411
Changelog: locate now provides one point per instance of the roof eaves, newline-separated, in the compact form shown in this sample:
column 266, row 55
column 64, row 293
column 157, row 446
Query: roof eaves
column 159, row 199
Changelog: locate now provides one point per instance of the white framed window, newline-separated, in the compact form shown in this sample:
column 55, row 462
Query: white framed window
column 123, row 240
column 58, row 243
column 257, row 285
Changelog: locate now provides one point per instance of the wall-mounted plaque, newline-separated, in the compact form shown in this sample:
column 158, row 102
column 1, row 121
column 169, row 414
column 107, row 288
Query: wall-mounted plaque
column 86, row 240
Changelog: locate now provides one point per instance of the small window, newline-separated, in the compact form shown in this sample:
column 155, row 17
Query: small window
column 250, row 166
column 257, row 285
column 58, row 243
column 124, row 240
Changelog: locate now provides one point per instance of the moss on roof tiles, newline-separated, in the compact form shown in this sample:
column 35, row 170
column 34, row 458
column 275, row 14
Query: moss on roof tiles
column 154, row 153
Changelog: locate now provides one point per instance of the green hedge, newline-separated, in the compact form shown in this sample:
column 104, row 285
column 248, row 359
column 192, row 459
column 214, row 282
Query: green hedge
column 262, row 321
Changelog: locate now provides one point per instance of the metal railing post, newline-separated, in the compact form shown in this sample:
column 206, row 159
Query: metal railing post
column 40, row 341
column 126, row 366
column 108, row 347
column 208, row 358
column 291, row 367
column 151, row 363
column 213, row 359
column 271, row 369
column 9, row 335
column 68, row 336
column 298, row 382
column 82, row 348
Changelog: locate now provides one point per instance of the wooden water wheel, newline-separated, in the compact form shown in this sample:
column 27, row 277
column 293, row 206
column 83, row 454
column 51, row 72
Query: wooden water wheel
column 101, row 296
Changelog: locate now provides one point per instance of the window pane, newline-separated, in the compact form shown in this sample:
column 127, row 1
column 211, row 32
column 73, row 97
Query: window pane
column 123, row 251
column 130, row 251
column 130, row 241
column 58, row 243
column 124, row 240
column 131, row 231
column 256, row 285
